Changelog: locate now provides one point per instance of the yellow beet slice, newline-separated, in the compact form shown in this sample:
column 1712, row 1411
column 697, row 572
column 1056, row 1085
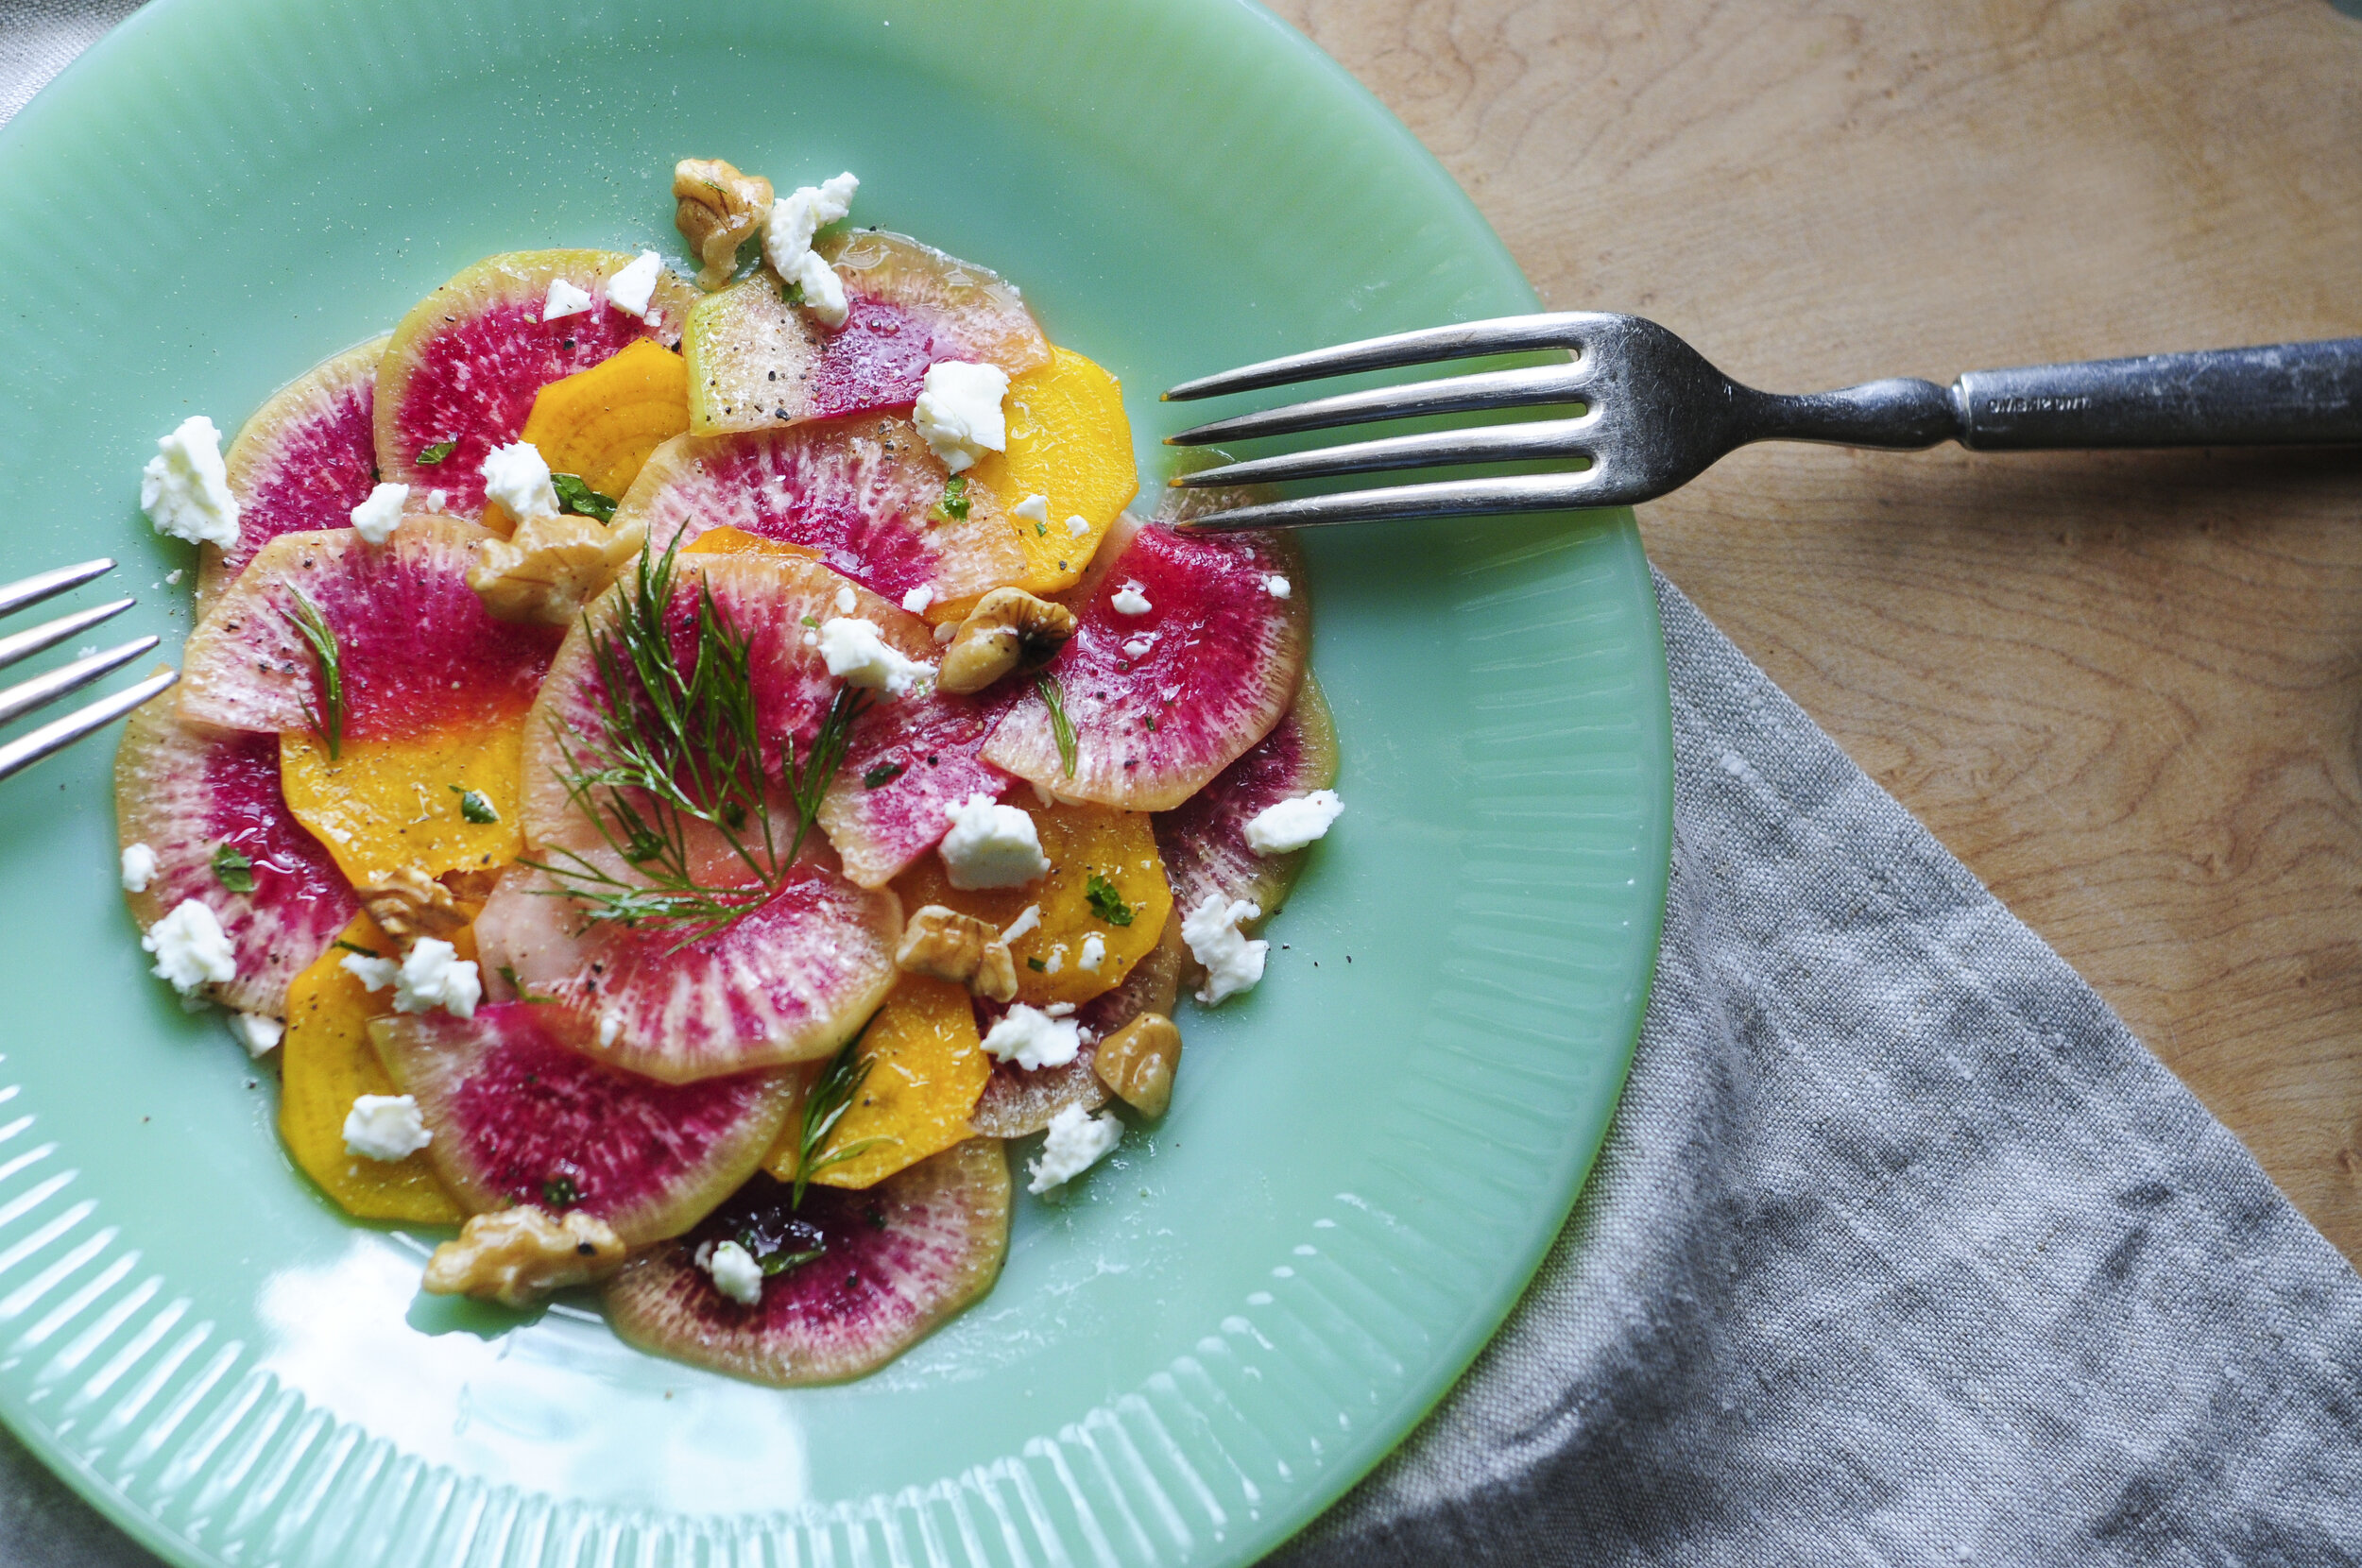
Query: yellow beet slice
column 1081, row 841
column 326, row 1063
column 1069, row 441
column 926, row 1068
column 726, row 541
column 602, row 423
column 388, row 803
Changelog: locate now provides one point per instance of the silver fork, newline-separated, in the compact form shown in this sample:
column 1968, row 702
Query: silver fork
column 42, row 691
column 1656, row 415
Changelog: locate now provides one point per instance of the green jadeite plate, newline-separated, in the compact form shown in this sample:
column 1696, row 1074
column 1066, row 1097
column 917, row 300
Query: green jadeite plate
column 1213, row 1335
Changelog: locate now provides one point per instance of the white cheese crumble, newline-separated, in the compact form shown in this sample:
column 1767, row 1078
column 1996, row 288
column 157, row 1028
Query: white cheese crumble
column 191, row 949
column 566, row 299
column 375, row 974
column 991, row 845
column 1077, row 1141
column 845, row 600
column 1032, row 1038
column 918, row 599
column 735, row 1272
column 259, row 1035
column 859, row 655
column 797, row 216
column 174, row 576
column 374, row 519
column 1129, row 600
column 823, row 290
column 1094, row 952
column 430, row 975
column 1232, row 962
column 630, row 290
column 517, row 477
column 1138, row 647
column 1078, row 525
column 958, row 413
column 1288, row 826
column 185, row 488
column 1033, row 509
column 385, row 1127
column 1028, row 920
column 1277, row 586
column 139, row 868
column 1060, row 1009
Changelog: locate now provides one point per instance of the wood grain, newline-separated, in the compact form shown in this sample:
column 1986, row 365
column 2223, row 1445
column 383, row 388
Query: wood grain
column 2122, row 688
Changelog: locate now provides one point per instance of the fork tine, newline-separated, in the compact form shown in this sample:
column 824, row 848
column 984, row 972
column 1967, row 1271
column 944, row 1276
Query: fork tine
column 1506, row 334
column 23, row 752
column 42, row 691
column 1487, row 389
column 1494, row 443
column 48, row 634
column 1461, row 499
column 32, row 591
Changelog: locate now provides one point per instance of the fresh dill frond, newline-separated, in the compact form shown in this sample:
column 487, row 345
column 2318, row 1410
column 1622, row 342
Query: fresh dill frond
column 328, row 714
column 808, row 785
column 825, row 1104
column 1060, row 731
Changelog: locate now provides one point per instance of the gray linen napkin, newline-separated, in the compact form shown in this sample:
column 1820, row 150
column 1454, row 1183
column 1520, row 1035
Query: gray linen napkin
column 1901, row 1250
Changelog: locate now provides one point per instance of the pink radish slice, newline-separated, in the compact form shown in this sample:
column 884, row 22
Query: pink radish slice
column 865, row 494
column 300, row 463
column 1204, row 839
column 1212, row 664
column 968, row 311
column 186, row 791
column 909, row 763
column 789, row 981
column 464, row 366
column 896, row 1259
column 521, row 1116
column 418, row 649
column 1017, row 1101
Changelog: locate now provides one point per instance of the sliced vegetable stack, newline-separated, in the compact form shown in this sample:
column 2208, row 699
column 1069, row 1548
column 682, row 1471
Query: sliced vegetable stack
column 681, row 773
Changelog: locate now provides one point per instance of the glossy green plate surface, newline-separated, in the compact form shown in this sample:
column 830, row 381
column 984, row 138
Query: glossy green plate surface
column 1209, row 1338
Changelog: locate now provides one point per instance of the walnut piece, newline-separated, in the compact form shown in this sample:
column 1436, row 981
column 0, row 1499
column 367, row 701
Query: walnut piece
column 408, row 904
column 1009, row 628
column 720, row 209
column 553, row 567
column 960, row 948
column 1138, row 1063
column 519, row 1255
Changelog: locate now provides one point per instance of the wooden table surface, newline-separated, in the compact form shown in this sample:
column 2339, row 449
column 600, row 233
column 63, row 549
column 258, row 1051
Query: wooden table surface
column 2124, row 688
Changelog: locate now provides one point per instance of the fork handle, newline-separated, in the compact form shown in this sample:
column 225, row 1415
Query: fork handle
column 2286, row 393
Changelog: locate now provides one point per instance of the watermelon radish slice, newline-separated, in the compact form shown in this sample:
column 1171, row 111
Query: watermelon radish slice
column 187, row 790
column 418, row 652
column 1162, row 701
column 300, row 464
column 1017, row 1101
column 757, row 362
column 908, row 764
column 520, row 1117
column 896, row 1259
column 789, row 981
column 1204, row 839
column 464, row 366
column 865, row 494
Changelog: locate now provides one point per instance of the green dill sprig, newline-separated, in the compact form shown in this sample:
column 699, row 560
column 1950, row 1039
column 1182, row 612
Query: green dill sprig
column 808, row 784
column 328, row 714
column 1060, row 731
column 825, row 1104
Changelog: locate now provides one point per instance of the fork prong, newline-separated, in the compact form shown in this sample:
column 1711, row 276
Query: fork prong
column 1506, row 334
column 56, row 736
column 42, row 691
column 32, row 591
column 49, row 633
column 1494, row 443
column 1487, row 389
column 1463, row 497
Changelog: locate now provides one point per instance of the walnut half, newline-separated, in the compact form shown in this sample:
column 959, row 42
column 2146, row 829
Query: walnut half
column 960, row 948
column 1138, row 1063
column 720, row 209
column 553, row 567
column 1009, row 628
column 408, row 904
column 519, row 1255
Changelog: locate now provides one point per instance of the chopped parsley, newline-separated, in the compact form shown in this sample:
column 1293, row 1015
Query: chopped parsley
column 474, row 806
column 435, row 452
column 233, row 870
column 882, row 775
column 792, row 293
column 954, row 503
column 1037, row 966
column 576, row 496
column 1106, row 901
column 560, row 1192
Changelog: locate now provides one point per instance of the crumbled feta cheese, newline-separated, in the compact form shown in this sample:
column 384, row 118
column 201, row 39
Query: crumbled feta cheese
column 437, row 500
column 1138, row 647
column 797, row 216
column 958, row 413
column 630, row 290
column 736, row 1274
column 1290, row 825
column 1078, row 525
column 1232, row 962
column 1060, row 1009
column 824, row 291
column 516, row 476
column 185, row 488
column 858, row 653
column 385, row 1127
column 139, row 868
column 1032, row 1038
column 375, row 974
column 1129, row 600
column 1277, row 586
column 174, row 576
column 1033, row 509
column 375, row 517
column 611, row 1029
column 191, row 949
column 1077, row 1141
column 434, row 975
column 918, row 599
column 1056, row 959
column 566, row 299
column 1094, row 952
column 257, row 1033
column 845, row 600
column 1028, row 920
column 991, row 845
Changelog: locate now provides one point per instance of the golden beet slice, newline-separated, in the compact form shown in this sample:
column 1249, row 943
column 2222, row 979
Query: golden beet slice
column 601, row 424
column 449, row 801
column 927, row 1067
column 1070, row 444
